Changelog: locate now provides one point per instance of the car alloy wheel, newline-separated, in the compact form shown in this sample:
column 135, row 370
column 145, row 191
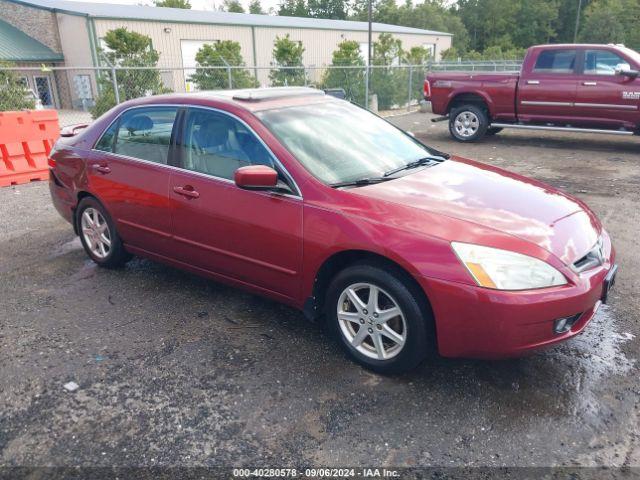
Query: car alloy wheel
column 371, row 321
column 95, row 231
column 466, row 124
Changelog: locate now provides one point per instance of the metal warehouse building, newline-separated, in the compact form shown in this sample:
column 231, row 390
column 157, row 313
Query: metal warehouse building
column 70, row 34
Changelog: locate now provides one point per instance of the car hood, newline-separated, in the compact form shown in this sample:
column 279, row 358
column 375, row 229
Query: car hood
column 498, row 200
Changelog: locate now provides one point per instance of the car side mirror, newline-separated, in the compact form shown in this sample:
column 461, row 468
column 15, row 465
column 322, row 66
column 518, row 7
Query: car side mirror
column 256, row 177
column 626, row 72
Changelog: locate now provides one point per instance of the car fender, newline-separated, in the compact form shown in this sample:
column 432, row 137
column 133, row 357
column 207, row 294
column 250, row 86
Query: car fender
column 419, row 256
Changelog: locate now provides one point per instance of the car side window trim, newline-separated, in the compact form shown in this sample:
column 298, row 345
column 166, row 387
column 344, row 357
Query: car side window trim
column 173, row 159
column 179, row 123
column 296, row 193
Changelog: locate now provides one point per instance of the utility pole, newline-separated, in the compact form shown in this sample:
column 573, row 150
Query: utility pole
column 368, row 72
column 575, row 32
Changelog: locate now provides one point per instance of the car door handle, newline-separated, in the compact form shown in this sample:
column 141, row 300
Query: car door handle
column 590, row 84
column 186, row 191
column 533, row 82
column 104, row 169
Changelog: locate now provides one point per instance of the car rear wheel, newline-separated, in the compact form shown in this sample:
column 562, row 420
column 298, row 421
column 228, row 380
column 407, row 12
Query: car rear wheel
column 377, row 319
column 468, row 123
column 99, row 236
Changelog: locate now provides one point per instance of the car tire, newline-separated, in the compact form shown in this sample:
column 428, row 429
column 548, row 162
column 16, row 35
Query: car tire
column 493, row 131
column 468, row 123
column 98, row 234
column 412, row 326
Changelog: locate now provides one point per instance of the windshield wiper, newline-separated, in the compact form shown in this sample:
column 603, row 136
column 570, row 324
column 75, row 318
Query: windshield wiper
column 416, row 163
column 360, row 182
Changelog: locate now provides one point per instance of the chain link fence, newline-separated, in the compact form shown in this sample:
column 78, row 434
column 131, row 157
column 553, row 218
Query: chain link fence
column 81, row 94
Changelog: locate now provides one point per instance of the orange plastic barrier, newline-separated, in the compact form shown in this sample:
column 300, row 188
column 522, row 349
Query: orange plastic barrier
column 26, row 138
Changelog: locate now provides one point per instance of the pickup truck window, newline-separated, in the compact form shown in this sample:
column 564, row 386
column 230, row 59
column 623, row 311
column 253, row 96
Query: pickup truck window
column 603, row 62
column 556, row 61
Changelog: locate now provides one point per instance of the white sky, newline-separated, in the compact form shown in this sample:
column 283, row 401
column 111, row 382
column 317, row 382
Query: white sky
column 195, row 4
column 213, row 4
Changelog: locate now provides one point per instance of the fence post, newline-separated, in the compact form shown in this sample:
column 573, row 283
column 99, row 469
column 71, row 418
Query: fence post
column 229, row 76
column 366, row 88
column 410, row 87
column 115, row 85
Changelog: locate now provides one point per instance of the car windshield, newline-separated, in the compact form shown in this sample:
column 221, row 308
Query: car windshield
column 339, row 142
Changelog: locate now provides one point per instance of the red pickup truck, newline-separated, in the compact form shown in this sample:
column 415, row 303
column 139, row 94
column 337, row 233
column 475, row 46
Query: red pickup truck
column 587, row 88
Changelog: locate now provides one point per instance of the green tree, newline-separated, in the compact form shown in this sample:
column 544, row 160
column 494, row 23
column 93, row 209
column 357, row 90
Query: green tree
column 13, row 93
column 128, row 49
column 566, row 21
column 429, row 14
column 293, row 8
column 417, row 56
column 233, row 6
column 215, row 55
column 352, row 80
column 489, row 22
column 436, row 15
column 451, row 54
column 173, row 4
column 334, row 9
column 612, row 21
column 287, row 53
column 536, row 21
column 256, row 7
column 387, row 81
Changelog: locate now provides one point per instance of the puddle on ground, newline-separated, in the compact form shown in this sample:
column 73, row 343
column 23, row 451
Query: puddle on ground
column 595, row 356
column 67, row 247
column 600, row 345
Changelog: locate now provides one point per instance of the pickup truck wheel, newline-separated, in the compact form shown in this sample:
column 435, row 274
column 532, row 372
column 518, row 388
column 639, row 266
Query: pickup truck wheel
column 468, row 123
column 493, row 130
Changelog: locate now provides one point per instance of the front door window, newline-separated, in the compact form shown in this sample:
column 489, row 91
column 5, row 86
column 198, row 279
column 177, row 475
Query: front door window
column 217, row 144
column 603, row 62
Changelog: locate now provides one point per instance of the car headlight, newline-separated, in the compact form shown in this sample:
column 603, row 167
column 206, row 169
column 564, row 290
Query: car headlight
column 505, row 270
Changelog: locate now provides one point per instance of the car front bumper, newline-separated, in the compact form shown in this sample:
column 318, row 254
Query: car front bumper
column 476, row 322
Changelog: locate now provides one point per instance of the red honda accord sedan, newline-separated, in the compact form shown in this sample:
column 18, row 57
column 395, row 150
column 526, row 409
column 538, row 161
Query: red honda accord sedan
column 317, row 203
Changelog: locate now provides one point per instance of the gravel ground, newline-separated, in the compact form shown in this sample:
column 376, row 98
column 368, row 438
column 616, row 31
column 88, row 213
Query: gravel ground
column 174, row 370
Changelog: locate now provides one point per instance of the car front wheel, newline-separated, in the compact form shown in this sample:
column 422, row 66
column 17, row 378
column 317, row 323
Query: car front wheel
column 377, row 318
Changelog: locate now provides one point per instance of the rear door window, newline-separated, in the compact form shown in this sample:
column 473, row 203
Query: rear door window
column 556, row 61
column 142, row 133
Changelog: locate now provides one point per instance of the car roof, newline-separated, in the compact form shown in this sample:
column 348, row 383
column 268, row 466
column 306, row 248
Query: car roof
column 578, row 45
column 252, row 99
